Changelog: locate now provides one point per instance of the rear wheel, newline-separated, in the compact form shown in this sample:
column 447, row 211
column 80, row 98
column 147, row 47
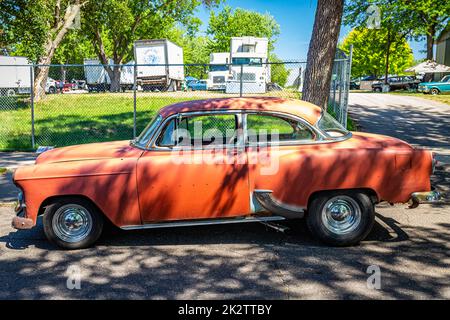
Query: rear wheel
column 341, row 218
column 72, row 223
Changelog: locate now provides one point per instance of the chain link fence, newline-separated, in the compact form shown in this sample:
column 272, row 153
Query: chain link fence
column 93, row 103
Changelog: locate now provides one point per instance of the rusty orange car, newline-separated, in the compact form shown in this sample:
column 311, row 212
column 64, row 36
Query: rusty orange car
column 177, row 173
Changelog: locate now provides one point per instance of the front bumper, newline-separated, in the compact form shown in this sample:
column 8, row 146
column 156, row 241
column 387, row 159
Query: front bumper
column 428, row 197
column 423, row 89
column 20, row 221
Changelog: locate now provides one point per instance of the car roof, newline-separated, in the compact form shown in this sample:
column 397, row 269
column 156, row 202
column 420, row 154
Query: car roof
column 303, row 109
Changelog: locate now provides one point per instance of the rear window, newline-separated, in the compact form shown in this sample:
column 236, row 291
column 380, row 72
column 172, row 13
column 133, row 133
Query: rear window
column 331, row 127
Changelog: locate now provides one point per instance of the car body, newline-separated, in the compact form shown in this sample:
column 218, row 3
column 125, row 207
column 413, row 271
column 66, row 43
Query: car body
column 146, row 183
column 51, row 86
column 354, row 85
column 396, row 83
column 442, row 86
column 196, row 85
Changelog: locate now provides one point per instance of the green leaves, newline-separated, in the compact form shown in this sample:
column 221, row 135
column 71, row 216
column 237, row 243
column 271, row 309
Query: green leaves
column 369, row 52
column 237, row 23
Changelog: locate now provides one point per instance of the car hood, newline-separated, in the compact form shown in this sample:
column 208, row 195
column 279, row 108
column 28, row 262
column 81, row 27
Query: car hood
column 91, row 151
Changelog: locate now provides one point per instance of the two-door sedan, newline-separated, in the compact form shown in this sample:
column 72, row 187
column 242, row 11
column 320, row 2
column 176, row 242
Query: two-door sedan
column 178, row 173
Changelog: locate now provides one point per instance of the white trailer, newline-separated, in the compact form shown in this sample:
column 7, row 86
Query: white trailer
column 127, row 76
column 219, row 70
column 249, row 56
column 15, row 75
column 97, row 79
column 159, row 65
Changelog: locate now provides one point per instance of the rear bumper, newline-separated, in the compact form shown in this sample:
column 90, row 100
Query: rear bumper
column 428, row 197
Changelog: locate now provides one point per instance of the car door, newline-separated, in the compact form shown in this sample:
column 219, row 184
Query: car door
column 445, row 85
column 280, row 153
column 194, row 174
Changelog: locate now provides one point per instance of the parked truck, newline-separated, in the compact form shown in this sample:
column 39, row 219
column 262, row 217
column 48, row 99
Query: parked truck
column 249, row 58
column 97, row 79
column 15, row 75
column 219, row 70
column 159, row 65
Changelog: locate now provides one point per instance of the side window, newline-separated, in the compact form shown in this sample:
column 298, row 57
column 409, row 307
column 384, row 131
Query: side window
column 260, row 127
column 199, row 130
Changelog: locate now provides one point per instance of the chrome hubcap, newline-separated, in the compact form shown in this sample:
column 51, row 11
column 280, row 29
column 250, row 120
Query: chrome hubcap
column 341, row 215
column 72, row 223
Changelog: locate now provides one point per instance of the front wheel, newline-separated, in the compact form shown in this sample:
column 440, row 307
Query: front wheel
column 341, row 218
column 434, row 91
column 72, row 223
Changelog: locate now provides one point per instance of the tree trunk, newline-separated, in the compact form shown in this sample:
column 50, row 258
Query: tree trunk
column 388, row 50
column 56, row 35
column 114, row 75
column 430, row 41
column 321, row 52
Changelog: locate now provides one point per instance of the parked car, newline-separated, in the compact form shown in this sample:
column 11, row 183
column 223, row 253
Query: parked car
column 354, row 85
column 196, row 85
column 273, row 86
column 435, row 87
column 315, row 169
column 396, row 83
column 51, row 86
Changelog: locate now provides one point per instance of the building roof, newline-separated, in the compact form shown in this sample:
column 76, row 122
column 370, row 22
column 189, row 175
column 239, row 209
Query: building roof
column 303, row 109
column 445, row 34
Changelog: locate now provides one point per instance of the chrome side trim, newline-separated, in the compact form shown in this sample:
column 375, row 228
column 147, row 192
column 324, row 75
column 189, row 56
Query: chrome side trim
column 268, row 202
column 190, row 223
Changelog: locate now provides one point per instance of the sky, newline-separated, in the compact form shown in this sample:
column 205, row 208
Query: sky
column 296, row 19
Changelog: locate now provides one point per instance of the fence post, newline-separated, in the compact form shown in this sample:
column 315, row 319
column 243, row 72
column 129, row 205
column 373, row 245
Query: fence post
column 134, row 99
column 32, row 105
column 240, row 83
column 347, row 83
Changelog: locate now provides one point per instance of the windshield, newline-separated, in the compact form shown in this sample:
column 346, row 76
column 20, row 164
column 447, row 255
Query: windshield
column 331, row 127
column 445, row 79
column 252, row 61
column 218, row 67
column 143, row 139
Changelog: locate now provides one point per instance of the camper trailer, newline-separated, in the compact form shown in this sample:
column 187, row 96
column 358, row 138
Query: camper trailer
column 249, row 57
column 219, row 70
column 159, row 65
column 15, row 75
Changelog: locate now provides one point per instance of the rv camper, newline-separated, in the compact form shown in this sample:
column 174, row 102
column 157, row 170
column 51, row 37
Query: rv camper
column 249, row 57
column 159, row 65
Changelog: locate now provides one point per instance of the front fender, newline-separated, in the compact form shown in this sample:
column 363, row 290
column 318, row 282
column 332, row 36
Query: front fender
column 109, row 183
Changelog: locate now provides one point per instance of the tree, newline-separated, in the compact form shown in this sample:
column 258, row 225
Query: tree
column 239, row 23
column 400, row 20
column 113, row 26
column 431, row 17
column 322, row 48
column 278, row 71
column 369, row 51
column 38, row 27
